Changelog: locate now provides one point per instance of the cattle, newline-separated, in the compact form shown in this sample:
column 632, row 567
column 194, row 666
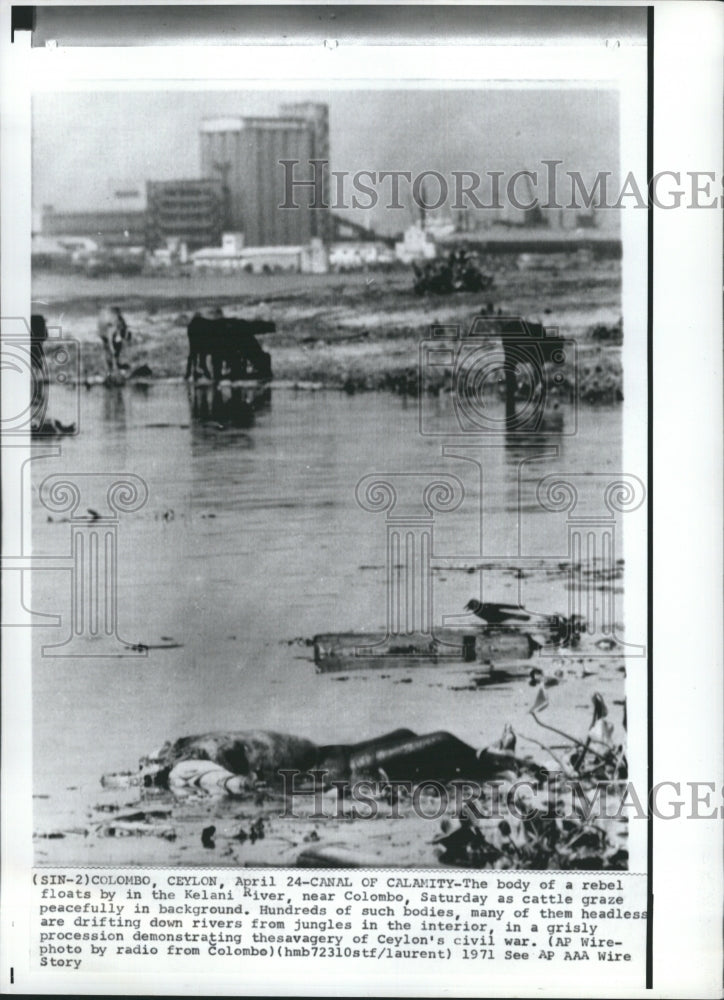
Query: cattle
column 230, row 342
column 114, row 333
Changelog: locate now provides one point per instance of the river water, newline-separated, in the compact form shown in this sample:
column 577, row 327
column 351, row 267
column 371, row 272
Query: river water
column 252, row 538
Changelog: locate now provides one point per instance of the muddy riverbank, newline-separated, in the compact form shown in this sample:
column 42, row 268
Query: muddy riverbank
column 354, row 332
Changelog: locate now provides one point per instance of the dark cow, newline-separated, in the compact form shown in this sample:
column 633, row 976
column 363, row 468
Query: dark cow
column 228, row 341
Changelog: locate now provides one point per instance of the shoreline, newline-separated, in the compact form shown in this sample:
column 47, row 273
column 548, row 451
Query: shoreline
column 353, row 332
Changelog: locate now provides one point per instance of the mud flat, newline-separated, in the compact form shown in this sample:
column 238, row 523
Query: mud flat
column 355, row 332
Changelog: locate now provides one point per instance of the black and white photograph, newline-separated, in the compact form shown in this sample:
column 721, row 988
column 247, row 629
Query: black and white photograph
column 361, row 407
column 329, row 443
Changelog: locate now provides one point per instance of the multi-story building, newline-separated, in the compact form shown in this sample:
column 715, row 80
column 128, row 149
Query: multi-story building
column 190, row 211
column 245, row 154
column 317, row 116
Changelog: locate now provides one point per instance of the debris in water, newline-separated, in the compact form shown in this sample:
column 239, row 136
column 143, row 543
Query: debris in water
column 334, row 856
column 129, row 828
column 606, row 643
column 465, row 844
column 120, row 779
column 508, row 739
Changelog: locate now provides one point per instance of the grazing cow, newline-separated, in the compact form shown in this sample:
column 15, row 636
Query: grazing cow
column 228, row 341
column 114, row 333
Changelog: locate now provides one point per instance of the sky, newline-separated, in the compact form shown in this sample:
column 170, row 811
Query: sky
column 85, row 143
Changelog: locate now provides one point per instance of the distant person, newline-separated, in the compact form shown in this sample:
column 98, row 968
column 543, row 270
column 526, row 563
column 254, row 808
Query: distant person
column 114, row 333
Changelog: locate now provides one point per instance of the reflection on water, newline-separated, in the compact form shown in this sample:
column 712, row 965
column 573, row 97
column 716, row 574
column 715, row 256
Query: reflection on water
column 251, row 537
column 229, row 405
column 114, row 406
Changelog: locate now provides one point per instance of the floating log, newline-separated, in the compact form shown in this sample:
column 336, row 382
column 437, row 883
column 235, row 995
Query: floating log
column 345, row 651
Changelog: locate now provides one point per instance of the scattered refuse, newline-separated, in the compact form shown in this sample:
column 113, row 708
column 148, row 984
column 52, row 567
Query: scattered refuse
column 464, row 844
column 143, row 647
column 604, row 333
column 460, row 271
column 121, row 779
column 334, row 856
column 257, row 830
column 606, row 643
column 347, row 651
column 502, row 633
column 122, row 826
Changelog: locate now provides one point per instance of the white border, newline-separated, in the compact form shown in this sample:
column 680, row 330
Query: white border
column 688, row 871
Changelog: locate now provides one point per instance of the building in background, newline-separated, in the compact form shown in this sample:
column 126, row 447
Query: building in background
column 184, row 211
column 119, row 220
column 233, row 255
column 416, row 244
column 241, row 190
column 316, row 115
column 245, row 154
column 116, row 228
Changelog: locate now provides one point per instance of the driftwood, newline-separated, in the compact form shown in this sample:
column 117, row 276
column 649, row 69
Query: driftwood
column 345, row 651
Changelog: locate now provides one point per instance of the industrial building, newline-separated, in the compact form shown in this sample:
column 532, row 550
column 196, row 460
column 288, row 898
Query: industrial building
column 241, row 190
column 186, row 211
column 316, row 116
column 244, row 154
column 113, row 229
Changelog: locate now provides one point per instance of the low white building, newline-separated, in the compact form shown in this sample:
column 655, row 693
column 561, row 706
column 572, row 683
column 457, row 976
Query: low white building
column 347, row 256
column 233, row 256
column 415, row 245
column 232, row 242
